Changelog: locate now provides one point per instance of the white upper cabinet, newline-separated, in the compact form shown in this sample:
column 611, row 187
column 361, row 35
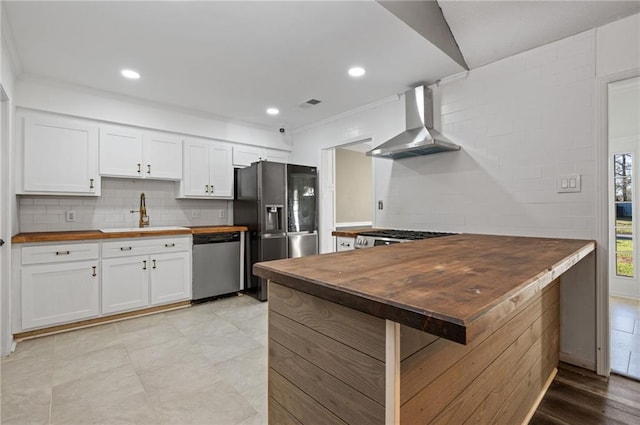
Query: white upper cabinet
column 163, row 156
column 126, row 152
column 208, row 171
column 60, row 156
column 243, row 156
column 274, row 155
column 120, row 152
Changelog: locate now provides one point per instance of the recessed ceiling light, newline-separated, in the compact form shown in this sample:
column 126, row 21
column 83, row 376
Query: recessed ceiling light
column 356, row 71
column 130, row 74
column 273, row 111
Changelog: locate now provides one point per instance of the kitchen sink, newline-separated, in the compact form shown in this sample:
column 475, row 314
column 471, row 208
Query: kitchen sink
column 142, row 229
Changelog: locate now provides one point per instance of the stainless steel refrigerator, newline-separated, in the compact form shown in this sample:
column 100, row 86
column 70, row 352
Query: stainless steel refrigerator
column 278, row 203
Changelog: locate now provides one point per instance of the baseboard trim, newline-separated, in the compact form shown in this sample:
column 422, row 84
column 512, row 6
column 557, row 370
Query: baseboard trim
column 99, row 321
column 577, row 361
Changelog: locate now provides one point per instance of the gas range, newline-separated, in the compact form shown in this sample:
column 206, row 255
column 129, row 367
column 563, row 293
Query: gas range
column 390, row 236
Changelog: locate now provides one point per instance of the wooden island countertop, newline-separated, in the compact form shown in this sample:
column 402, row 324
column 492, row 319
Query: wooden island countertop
column 454, row 287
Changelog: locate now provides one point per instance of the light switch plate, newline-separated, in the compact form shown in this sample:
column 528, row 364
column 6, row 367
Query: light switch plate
column 569, row 183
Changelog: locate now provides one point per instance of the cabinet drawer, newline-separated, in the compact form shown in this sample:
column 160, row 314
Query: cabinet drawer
column 143, row 246
column 344, row 243
column 59, row 253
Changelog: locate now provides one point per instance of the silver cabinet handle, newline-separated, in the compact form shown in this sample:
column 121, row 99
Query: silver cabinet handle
column 94, row 271
column 62, row 252
column 144, row 264
column 154, row 264
column 169, row 245
column 148, row 168
column 90, row 183
column 139, row 169
column 125, row 248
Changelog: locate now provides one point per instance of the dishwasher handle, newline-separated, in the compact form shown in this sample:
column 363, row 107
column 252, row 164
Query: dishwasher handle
column 208, row 238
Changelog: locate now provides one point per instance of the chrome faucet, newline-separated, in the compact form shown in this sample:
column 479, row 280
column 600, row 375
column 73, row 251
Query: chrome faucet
column 144, row 218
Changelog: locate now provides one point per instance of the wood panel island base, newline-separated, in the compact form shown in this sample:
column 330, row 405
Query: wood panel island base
column 344, row 347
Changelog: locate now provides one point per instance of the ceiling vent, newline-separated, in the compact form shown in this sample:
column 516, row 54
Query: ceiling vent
column 309, row 103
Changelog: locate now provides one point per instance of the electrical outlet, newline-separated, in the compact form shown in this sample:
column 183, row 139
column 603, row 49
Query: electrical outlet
column 70, row 216
column 195, row 213
column 221, row 213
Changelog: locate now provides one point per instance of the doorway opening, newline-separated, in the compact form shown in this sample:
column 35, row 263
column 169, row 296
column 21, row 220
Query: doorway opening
column 624, row 193
column 354, row 186
column 346, row 189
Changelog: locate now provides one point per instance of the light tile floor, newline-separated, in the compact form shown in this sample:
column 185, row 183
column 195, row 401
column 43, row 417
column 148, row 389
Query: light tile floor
column 625, row 336
column 206, row 364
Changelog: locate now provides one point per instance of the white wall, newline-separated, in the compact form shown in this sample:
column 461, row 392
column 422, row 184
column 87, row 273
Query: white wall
column 83, row 102
column 521, row 122
column 353, row 187
column 378, row 122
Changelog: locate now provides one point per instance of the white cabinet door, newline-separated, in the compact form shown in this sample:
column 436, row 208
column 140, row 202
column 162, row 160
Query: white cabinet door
column 125, row 283
column 162, row 157
column 208, row 171
column 276, row 156
column 59, row 293
column 243, row 156
column 60, row 156
column 195, row 179
column 170, row 277
column 120, row 152
column 221, row 171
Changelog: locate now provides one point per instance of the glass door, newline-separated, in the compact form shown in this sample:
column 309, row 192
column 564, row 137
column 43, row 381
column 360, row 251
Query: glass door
column 302, row 184
column 624, row 275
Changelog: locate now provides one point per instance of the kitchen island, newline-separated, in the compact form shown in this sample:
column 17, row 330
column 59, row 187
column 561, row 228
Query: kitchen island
column 453, row 330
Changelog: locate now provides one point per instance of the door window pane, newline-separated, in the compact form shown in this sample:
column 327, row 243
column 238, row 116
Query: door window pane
column 624, row 265
column 623, row 203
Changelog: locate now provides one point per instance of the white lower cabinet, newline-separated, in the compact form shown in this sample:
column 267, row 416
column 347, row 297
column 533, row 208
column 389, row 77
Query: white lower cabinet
column 59, row 292
column 125, row 284
column 344, row 243
column 170, row 277
column 64, row 283
column 131, row 281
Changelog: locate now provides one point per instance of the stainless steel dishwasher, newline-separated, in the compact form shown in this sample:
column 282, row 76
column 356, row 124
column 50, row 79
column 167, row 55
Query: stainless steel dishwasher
column 216, row 265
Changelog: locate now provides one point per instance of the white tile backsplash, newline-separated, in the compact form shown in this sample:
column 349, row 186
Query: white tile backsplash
column 112, row 209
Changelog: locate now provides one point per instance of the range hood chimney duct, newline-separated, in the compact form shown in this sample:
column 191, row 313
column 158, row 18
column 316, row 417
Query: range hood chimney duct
column 419, row 138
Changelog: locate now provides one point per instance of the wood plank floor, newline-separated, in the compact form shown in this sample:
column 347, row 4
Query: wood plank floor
column 580, row 397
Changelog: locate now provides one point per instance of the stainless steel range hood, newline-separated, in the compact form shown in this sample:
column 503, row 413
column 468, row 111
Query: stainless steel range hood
column 419, row 138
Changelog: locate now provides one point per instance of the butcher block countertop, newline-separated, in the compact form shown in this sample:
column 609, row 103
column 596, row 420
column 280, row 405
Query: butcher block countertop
column 77, row 235
column 352, row 232
column 454, row 287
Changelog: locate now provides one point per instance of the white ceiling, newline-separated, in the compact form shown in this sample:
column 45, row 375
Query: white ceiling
column 235, row 59
column 487, row 31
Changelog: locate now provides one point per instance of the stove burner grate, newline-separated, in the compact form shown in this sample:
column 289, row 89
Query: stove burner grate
column 410, row 235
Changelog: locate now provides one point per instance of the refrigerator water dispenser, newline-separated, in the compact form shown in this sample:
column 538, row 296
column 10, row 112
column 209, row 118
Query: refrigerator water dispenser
column 274, row 219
